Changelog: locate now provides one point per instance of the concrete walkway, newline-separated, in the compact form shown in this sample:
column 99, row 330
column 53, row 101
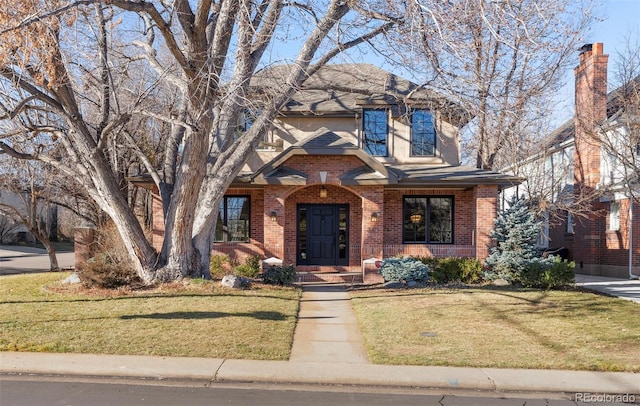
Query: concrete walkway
column 327, row 329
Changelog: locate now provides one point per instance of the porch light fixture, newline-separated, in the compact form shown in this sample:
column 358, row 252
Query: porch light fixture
column 323, row 179
column 274, row 216
column 416, row 218
column 374, row 217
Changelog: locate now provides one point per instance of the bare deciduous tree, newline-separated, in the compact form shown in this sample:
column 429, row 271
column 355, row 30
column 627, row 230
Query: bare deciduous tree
column 31, row 206
column 502, row 61
column 619, row 136
column 62, row 66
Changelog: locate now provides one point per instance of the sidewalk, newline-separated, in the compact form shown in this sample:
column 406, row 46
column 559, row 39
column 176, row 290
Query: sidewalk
column 206, row 370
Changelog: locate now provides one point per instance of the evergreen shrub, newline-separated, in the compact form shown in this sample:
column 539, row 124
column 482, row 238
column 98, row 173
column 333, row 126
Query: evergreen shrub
column 515, row 231
column 405, row 269
column 219, row 265
column 454, row 269
column 280, row 275
column 250, row 268
column 544, row 275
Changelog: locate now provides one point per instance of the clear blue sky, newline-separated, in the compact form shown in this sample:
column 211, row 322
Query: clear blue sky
column 619, row 19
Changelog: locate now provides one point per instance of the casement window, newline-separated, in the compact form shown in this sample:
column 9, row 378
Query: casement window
column 428, row 219
column 423, row 133
column 569, row 229
column 614, row 216
column 375, row 132
column 233, row 219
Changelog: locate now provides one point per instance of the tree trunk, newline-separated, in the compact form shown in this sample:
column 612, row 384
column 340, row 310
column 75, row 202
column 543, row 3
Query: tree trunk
column 51, row 251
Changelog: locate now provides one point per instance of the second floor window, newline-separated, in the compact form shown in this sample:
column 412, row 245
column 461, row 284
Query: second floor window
column 233, row 219
column 423, row 134
column 374, row 132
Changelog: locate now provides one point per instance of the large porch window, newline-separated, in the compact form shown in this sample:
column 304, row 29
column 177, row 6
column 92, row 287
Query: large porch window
column 428, row 219
column 233, row 219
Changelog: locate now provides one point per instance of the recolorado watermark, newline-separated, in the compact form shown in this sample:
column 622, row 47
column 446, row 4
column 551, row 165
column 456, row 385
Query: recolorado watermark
column 588, row 397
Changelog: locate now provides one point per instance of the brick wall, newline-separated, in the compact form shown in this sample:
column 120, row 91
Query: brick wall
column 474, row 214
column 240, row 251
column 280, row 239
column 486, row 199
column 589, row 239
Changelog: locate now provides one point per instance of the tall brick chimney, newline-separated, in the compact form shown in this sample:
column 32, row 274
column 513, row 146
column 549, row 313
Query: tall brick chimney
column 591, row 109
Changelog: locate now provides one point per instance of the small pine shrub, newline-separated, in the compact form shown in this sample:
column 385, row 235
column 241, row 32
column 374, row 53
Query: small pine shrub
column 405, row 269
column 280, row 275
column 219, row 265
column 545, row 275
column 250, row 268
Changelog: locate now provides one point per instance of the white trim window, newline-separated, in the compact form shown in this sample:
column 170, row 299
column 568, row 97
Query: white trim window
column 569, row 229
column 614, row 216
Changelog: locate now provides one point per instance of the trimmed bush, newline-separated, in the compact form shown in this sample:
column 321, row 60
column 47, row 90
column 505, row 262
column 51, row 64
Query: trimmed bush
column 405, row 269
column 545, row 275
column 250, row 268
column 280, row 275
column 453, row 269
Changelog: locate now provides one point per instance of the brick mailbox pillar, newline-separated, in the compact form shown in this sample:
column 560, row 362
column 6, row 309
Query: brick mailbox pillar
column 83, row 239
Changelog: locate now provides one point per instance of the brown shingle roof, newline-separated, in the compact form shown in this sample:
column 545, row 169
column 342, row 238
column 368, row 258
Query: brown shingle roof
column 345, row 88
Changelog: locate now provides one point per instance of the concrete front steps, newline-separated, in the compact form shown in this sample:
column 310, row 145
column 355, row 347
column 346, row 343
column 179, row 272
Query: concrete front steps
column 331, row 277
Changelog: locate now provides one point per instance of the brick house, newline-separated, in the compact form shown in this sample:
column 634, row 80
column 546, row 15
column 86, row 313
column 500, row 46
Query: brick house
column 360, row 164
column 578, row 164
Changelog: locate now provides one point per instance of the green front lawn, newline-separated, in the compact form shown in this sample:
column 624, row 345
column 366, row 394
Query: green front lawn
column 502, row 328
column 199, row 319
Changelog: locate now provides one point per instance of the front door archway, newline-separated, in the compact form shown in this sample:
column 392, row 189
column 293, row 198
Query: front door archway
column 322, row 234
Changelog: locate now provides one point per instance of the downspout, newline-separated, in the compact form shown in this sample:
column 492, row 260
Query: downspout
column 631, row 275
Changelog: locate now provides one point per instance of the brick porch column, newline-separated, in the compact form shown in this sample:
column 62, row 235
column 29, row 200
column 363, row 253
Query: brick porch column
column 372, row 231
column 274, row 238
column 83, row 239
column 486, row 204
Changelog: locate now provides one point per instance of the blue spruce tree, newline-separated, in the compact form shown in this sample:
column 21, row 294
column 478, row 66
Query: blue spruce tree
column 515, row 231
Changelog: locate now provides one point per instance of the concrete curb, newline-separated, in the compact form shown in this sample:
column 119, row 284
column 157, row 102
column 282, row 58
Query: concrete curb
column 229, row 371
column 124, row 366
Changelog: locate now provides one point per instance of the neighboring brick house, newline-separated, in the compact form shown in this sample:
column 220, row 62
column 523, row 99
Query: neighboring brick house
column 360, row 164
column 575, row 163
